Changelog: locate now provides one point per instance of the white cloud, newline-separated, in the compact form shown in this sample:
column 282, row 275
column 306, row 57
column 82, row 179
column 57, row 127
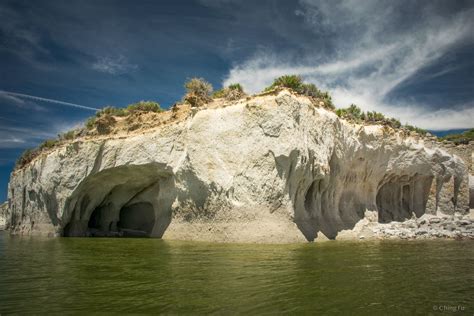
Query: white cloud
column 371, row 58
column 114, row 66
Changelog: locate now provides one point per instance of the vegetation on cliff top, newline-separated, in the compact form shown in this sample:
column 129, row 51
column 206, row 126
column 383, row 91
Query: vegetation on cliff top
column 200, row 92
column 296, row 84
column 103, row 120
column 355, row 114
column 231, row 93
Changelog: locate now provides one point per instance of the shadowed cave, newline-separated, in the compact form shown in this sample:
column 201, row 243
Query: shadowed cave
column 136, row 220
column 126, row 201
column 330, row 206
column 400, row 197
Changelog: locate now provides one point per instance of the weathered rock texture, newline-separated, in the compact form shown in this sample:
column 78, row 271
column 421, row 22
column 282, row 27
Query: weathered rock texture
column 4, row 215
column 263, row 169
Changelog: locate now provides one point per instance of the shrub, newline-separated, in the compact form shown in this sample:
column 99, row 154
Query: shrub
column 26, row 157
column 199, row 87
column 67, row 135
column 312, row 91
column 110, row 110
column 415, row 129
column 341, row 113
column 288, row 81
column 219, row 93
column 327, row 99
column 374, row 116
column 232, row 92
column 236, row 86
column 49, row 143
column 354, row 113
column 198, row 92
column 393, row 122
column 144, row 106
column 90, row 123
column 296, row 83
column 104, row 124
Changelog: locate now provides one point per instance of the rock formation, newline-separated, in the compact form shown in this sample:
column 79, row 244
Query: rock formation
column 3, row 215
column 271, row 168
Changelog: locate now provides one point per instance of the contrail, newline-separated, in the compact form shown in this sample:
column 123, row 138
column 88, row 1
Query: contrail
column 27, row 96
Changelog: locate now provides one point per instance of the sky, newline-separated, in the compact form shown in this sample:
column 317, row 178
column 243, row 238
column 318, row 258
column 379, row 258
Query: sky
column 60, row 60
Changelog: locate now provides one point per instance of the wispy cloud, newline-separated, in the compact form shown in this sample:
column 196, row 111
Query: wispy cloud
column 114, row 66
column 372, row 56
column 15, row 97
column 23, row 137
column 13, row 135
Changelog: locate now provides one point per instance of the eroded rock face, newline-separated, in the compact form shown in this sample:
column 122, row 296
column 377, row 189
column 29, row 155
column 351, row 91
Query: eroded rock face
column 267, row 169
column 4, row 215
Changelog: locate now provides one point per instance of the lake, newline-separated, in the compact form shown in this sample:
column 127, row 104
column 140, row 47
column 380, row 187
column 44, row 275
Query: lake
column 125, row 275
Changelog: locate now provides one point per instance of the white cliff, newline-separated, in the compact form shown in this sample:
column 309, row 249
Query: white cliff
column 3, row 215
column 271, row 168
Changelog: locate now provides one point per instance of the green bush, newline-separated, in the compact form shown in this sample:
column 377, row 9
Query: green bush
column 393, row 122
column 374, row 116
column 232, row 92
column 236, row 86
column 110, row 110
column 296, row 83
column 49, row 143
column 219, row 93
column 287, row 81
column 199, row 87
column 90, row 123
column 311, row 90
column 26, row 157
column 198, row 92
column 462, row 138
column 144, row 106
column 341, row 113
column 354, row 113
column 415, row 129
column 104, row 124
column 67, row 135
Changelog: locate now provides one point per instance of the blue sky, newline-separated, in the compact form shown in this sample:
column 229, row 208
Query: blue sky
column 413, row 60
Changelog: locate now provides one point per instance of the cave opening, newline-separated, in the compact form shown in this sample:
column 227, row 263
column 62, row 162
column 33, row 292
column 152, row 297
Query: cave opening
column 126, row 201
column 136, row 220
column 401, row 197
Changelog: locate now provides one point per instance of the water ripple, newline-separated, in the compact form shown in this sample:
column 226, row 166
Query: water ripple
column 80, row 275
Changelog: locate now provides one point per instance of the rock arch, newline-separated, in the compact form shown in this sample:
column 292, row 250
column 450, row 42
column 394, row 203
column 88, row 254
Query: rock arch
column 129, row 200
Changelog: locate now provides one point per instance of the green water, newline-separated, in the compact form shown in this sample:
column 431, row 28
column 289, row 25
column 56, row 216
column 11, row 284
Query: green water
column 84, row 275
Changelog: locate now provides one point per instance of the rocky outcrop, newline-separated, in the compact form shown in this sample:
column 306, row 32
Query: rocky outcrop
column 4, row 215
column 428, row 226
column 272, row 168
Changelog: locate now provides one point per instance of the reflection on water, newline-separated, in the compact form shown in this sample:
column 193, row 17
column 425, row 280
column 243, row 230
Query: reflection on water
column 151, row 275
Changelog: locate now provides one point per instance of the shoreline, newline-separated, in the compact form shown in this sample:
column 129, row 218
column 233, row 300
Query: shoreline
column 455, row 227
